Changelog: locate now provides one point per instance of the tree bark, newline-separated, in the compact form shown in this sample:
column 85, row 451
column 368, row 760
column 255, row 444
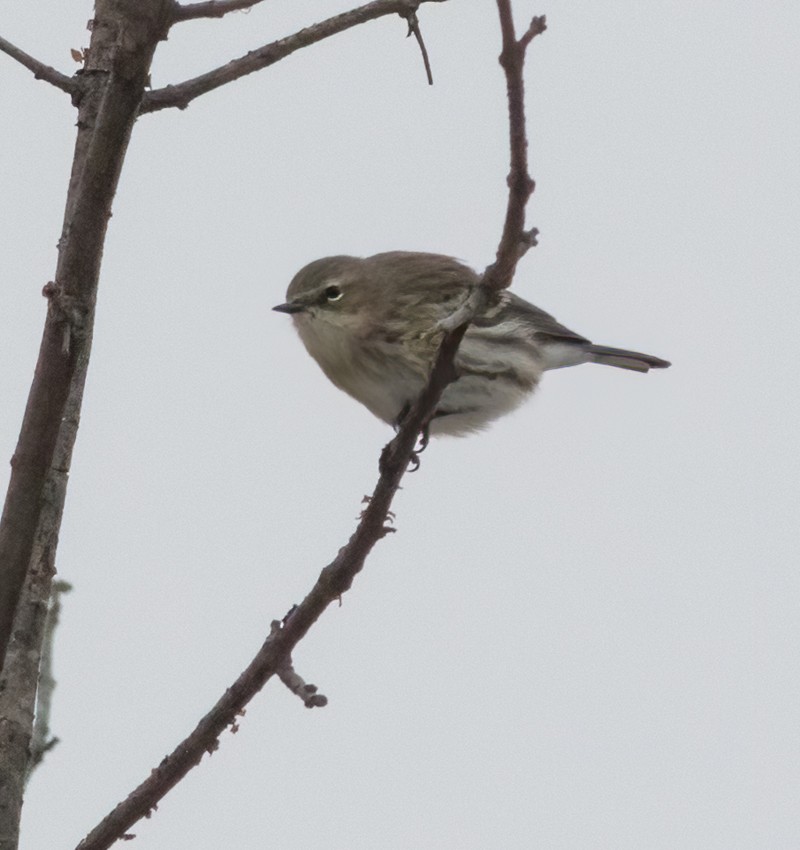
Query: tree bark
column 110, row 88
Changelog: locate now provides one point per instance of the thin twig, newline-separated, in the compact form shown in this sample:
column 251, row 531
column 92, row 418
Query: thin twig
column 307, row 692
column 536, row 27
column 338, row 576
column 299, row 687
column 515, row 241
column 209, row 9
column 333, row 581
column 413, row 28
column 39, row 69
column 182, row 94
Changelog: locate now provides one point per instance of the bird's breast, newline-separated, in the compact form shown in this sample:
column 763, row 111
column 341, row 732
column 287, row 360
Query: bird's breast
column 375, row 369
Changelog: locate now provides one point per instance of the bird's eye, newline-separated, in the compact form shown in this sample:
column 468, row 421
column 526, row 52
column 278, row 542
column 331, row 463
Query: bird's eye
column 332, row 293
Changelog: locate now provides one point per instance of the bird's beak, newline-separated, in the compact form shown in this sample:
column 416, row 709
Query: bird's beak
column 289, row 307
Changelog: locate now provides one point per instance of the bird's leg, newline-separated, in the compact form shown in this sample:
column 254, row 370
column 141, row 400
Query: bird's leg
column 423, row 440
column 401, row 417
column 424, row 437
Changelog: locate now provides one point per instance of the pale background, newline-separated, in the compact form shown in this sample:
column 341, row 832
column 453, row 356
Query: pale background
column 585, row 632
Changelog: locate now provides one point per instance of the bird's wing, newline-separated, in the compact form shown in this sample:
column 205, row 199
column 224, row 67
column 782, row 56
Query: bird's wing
column 542, row 325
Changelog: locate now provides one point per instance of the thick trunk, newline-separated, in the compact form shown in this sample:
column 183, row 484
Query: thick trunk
column 124, row 36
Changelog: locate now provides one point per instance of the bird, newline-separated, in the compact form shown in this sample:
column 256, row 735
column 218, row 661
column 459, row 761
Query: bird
column 374, row 324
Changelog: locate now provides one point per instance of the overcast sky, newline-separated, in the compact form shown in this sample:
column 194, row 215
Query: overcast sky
column 585, row 632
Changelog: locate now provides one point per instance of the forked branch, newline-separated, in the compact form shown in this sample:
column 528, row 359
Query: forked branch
column 336, row 578
column 182, row 94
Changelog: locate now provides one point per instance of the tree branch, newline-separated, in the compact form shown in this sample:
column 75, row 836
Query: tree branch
column 515, row 240
column 336, row 578
column 333, row 581
column 413, row 29
column 182, row 94
column 39, row 69
column 209, row 9
column 110, row 95
column 18, row 682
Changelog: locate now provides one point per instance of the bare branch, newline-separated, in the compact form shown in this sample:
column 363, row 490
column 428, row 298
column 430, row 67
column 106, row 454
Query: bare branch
column 273, row 656
column 335, row 579
column 413, row 28
column 34, row 503
column 18, row 682
column 514, row 241
column 293, row 680
column 537, row 26
column 182, row 94
column 39, row 69
column 209, row 9
column 299, row 687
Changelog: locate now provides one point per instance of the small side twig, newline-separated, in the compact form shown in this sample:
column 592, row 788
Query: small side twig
column 307, row 692
column 39, row 69
column 182, row 94
column 413, row 29
column 537, row 26
column 209, row 9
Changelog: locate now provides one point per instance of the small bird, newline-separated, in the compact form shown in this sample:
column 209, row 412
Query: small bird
column 373, row 325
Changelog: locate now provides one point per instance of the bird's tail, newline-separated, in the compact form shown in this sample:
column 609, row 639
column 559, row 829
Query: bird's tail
column 624, row 359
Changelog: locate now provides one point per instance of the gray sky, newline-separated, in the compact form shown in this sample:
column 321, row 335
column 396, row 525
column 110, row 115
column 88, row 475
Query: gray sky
column 584, row 633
